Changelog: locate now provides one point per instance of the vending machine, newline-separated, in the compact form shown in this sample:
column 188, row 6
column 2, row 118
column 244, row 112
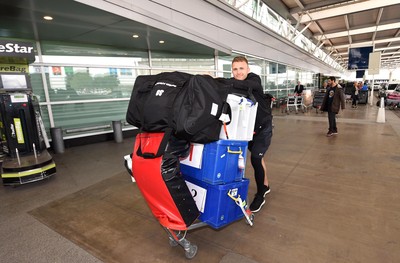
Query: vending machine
column 23, row 136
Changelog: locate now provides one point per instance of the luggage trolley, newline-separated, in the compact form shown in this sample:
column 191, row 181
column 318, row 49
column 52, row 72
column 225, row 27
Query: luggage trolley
column 318, row 97
column 296, row 102
column 168, row 193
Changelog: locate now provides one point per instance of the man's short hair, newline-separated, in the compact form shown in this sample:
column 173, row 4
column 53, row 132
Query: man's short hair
column 332, row 78
column 240, row 59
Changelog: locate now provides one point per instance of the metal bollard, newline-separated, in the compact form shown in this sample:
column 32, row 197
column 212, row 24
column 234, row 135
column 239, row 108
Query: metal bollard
column 117, row 128
column 57, row 139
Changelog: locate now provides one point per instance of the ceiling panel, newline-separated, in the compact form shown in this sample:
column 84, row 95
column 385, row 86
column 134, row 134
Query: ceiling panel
column 80, row 23
column 332, row 24
column 340, row 40
column 365, row 18
column 362, row 37
column 364, row 15
column 386, row 33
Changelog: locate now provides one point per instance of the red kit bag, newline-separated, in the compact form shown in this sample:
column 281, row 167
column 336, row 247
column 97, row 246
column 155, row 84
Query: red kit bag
column 158, row 178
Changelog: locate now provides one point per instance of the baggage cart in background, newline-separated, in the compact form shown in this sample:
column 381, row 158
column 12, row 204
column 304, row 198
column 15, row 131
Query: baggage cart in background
column 318, row 97
column 295, row 102
column 363, row 97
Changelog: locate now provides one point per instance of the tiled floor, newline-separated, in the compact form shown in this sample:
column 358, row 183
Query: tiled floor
column 332, row 200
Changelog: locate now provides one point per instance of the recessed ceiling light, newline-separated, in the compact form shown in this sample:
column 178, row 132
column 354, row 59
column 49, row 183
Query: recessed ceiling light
column 48, row 18
column 161, row 42
column 135, row 36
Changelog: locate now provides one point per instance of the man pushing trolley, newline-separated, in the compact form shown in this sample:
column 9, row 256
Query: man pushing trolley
column 189, row 160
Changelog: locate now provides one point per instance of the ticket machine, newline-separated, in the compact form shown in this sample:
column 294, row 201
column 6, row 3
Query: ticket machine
column 22, row 133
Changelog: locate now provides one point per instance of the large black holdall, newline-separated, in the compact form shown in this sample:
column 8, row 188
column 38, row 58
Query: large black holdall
column 197, row 111
column 189, row 104
column 152, row 100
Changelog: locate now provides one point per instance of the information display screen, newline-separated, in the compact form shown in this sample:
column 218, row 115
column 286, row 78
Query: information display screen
column 359, row 57
column 14, row 81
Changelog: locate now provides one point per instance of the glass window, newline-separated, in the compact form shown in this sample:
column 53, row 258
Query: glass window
column 201, row 64
column 69, row 53
column 77, row 118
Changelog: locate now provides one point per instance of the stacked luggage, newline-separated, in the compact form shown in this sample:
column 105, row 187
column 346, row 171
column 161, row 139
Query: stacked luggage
column 181, row 119
column 218, row 168
column 318, row 98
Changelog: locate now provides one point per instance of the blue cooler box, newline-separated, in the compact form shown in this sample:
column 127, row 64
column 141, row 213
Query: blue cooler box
column 220, row 162
column 219, row 208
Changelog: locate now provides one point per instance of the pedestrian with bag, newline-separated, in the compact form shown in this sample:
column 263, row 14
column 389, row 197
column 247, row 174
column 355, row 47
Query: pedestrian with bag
column 354, row 95
column 334, row 99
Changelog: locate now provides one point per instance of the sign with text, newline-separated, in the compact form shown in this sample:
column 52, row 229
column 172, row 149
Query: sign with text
column 11, row 48
column 374, row 63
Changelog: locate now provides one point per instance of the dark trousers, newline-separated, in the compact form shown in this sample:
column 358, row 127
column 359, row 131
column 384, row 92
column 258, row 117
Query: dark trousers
column 332, row 121
column 355, row 99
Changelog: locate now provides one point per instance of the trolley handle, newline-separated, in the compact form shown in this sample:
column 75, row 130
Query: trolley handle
column 235, row 152
column 242, row 204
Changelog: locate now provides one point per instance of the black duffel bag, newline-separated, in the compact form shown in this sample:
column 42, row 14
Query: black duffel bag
column 151, row 105
column 189, row 104
column 197, row 111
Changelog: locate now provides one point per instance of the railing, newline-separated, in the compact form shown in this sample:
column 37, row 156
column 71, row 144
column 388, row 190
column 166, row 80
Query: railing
column 260, row 12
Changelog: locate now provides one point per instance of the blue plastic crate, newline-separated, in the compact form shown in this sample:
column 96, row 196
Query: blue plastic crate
column 219, row 163
column 221, row 210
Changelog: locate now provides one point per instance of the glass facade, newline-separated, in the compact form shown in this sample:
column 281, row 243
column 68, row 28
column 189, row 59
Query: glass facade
column 82, row 89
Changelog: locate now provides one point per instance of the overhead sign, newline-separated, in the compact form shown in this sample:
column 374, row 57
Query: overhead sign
column 374, row 63
column 23, row 68
column 359, row 57
column 11, row 48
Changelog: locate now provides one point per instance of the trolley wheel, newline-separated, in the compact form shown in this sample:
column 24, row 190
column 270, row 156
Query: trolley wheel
column 172, row 243
column 251, row 217
column 191, row 252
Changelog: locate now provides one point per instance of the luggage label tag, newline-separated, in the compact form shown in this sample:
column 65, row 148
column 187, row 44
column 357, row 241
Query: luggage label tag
column 233, row 192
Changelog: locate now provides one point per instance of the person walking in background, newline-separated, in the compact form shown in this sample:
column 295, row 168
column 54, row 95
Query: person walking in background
column 354, row 95
column 262, row 129
column 324, row 86
column 334, row 99
column 365, row 86
column 298, row 89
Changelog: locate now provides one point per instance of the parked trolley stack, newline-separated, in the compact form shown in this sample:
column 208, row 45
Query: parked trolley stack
column 200, row 183
column 318, row 98
column 296, row 102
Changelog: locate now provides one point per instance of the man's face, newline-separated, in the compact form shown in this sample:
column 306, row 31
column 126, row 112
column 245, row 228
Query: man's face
column 240, row 70
column 330, row 82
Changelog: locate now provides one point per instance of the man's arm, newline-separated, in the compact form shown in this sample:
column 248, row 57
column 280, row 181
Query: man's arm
column 252, row 81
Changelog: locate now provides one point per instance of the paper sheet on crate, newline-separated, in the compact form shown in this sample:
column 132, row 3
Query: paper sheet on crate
column 199, row 195
column 195, row 155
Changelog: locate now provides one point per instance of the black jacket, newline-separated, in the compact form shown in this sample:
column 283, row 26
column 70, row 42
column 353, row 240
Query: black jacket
column 298, row 89
column 251, row 88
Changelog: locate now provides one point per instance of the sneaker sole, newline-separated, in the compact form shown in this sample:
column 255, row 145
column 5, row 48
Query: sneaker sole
column 267, row 192
column 258, row 209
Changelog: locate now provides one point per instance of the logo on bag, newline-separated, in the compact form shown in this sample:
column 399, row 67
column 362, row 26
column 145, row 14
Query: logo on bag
column 159, row 92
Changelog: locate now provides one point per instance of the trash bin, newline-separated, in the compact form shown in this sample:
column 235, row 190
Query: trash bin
column 363, row 97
